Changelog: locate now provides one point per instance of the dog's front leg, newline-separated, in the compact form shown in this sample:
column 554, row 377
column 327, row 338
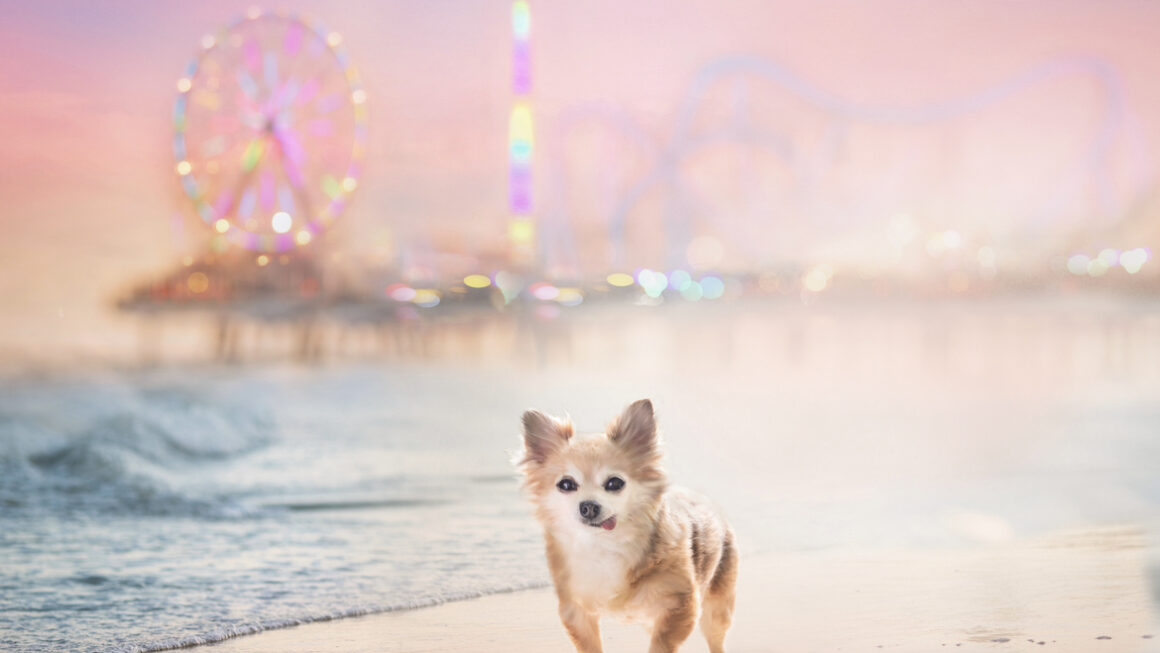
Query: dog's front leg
column 583, row 627
column 675, row 626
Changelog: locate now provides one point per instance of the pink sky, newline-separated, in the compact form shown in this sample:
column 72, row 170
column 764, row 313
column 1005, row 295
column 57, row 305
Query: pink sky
column 88, row 193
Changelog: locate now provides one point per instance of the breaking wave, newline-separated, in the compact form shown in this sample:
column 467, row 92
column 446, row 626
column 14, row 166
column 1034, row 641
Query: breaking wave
column 117, row 449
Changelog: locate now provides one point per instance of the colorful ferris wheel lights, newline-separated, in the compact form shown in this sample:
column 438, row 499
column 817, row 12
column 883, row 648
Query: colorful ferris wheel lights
column 281, row 222
column 270, row 120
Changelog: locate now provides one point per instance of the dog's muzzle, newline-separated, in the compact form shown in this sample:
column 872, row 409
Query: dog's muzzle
column 590, row 514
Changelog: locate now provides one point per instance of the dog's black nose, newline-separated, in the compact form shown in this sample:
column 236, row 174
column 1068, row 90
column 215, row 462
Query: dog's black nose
column 589, row 509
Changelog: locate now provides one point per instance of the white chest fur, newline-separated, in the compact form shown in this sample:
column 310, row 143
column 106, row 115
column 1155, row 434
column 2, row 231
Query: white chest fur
column 598, row 567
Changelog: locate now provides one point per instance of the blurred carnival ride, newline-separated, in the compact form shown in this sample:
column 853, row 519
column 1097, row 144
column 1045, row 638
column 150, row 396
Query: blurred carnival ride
column 271, row 130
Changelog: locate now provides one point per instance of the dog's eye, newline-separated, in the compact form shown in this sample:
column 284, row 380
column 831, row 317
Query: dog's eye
column 614, row 484
column 566, row 485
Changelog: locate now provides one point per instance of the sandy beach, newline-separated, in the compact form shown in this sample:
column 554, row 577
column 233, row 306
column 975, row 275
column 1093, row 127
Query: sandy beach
column 1077, row 591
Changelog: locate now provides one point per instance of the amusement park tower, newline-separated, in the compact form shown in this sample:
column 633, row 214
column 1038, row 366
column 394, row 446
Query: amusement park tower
column 521, row 230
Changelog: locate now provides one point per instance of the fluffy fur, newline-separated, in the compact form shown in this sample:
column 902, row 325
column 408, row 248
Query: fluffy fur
column 637, row 549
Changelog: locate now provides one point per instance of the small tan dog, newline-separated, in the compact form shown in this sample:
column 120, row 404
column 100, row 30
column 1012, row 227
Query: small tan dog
column 620, row 540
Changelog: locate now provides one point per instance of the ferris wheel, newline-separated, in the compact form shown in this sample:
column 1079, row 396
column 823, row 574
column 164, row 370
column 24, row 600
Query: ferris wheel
column 270, row 131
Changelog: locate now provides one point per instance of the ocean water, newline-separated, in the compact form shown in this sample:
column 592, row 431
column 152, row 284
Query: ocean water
column 145, row 509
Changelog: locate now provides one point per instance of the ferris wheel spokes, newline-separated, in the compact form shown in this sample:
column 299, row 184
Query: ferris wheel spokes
column 269, row 149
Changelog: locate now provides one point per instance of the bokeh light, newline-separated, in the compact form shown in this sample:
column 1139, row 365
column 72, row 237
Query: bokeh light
column 712, row 287
column 400, row 292
column 679, row 280
column 692, row 291
column 426, row 297
column 544, row 291
column 620, row 279
column 476, row 281
column 570, row 297
column 197, row 283
column 281, row 222
column 1078, row 264
column 817, row 278
column 652, row 282
column 1133, row 260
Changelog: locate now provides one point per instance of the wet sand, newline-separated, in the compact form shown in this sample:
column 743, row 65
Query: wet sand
column 1084, row 591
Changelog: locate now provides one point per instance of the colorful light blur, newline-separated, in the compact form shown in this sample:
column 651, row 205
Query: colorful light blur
column 521, row 129
column 401, row 292
column 693, row 291
column 509, row 285
column 1134, row 259
column 521, row 54
column 281, row 222
column 652, row 282
column 258, row 77
column 198, row 283
column 620, row 279
column 476, row 281
column 712, row 287
column 1131, row 261
column 426, row 298
column 818, row 278
column 679, row 280
column 521, row 135
column 570, row 297
column 544, row 291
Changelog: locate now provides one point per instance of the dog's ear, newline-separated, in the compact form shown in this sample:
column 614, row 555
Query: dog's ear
column 543, row 435
column 635, row 431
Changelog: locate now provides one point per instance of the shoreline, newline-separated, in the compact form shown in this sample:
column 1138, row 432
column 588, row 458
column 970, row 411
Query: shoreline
column 1079, row 591
column 250, row 630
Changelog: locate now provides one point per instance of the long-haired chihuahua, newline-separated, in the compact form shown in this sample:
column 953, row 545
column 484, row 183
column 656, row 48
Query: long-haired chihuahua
column 620, row 540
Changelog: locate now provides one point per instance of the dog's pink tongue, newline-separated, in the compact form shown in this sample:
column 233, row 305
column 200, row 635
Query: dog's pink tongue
column 609, row 524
